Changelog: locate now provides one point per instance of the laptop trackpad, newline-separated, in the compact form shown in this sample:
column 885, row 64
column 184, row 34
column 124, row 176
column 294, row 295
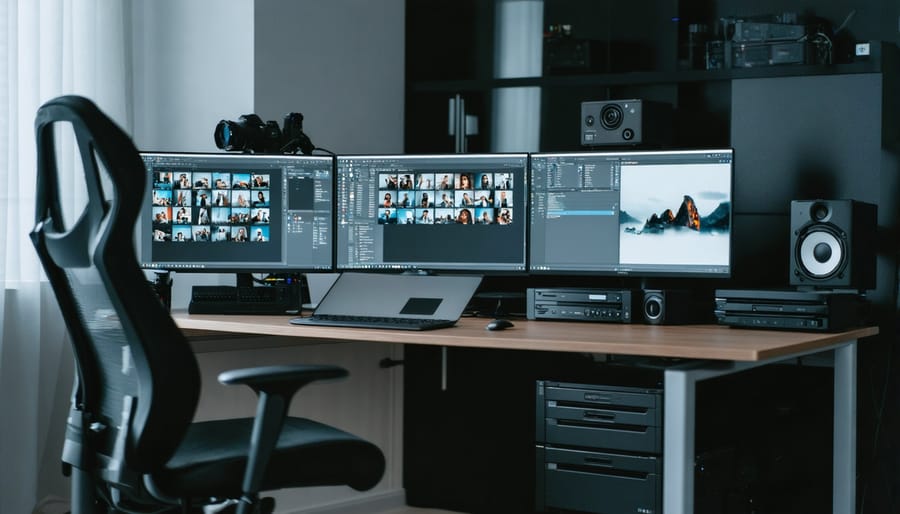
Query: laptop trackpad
column 421, row 306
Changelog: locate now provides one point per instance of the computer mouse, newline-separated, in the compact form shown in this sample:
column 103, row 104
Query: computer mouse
column 499, row 324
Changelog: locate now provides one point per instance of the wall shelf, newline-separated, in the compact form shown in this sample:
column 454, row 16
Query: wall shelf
column 645, row 77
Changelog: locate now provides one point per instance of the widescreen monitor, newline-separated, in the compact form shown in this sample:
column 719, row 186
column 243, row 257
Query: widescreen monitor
column 237, row 213
column 634, row 213
column 454, row 212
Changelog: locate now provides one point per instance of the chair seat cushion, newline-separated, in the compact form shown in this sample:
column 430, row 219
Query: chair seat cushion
column 211, row 460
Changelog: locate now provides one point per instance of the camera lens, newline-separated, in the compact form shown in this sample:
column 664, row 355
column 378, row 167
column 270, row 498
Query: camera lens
column 245, row 134
column 611, row 116
column 227, row 136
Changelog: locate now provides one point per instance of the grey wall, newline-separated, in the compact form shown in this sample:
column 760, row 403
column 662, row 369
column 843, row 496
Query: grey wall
column 340, row 63
column 193, row 65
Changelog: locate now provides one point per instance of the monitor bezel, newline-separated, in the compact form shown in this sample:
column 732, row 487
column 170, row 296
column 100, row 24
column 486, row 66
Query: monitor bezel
column 424, row 269
column 636, row 273
column 240, row 268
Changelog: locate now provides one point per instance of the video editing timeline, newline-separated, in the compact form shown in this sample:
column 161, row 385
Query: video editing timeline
column 632, row 213
column 432, row 212
column 230, row 212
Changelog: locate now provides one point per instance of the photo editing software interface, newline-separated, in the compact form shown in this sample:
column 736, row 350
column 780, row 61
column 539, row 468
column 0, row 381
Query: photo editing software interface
column 632, row 213
column 237, row 212
column 450, row 212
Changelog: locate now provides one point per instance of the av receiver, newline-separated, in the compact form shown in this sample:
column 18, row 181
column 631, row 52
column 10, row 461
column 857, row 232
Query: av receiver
column 583, row 304
column 813, row 310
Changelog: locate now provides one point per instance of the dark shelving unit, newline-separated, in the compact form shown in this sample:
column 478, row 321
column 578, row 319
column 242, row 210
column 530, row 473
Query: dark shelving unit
column 799, row 131
column 643, row 54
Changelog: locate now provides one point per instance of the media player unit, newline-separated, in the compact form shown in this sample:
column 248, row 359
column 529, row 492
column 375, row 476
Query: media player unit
column 583, row 304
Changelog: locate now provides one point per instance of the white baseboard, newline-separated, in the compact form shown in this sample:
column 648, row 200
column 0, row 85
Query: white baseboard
column 370, row 504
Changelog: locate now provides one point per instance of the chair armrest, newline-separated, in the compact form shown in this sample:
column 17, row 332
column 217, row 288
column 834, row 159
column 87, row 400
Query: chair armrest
column 275, row 386
column 280, row 379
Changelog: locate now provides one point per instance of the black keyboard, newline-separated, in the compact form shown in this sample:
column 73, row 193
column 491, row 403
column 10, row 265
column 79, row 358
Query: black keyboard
column 334, row 320
column 275, row 299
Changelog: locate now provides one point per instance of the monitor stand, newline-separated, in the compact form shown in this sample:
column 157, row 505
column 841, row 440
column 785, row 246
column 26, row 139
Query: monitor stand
column 420, row 272
column 162, row 285
column 500, row 304
column 244, row 280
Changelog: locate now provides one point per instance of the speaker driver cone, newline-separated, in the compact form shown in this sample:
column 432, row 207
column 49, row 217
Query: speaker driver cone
column 821, row 253
column 611, row 116
column 654, row 307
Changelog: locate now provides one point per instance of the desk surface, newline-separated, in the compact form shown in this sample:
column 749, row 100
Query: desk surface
column 674, row 341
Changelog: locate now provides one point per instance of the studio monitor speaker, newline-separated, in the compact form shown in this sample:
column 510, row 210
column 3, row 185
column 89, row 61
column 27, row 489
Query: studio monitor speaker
column 833, row 244
column 626, row 122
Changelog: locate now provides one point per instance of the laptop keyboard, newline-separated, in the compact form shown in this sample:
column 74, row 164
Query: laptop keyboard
column 336, row 320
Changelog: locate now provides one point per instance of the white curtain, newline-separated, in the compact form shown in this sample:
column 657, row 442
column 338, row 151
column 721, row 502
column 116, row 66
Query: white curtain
column 47, row 48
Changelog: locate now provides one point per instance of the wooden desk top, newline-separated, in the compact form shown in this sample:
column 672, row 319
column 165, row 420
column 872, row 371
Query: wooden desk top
column 673, row 341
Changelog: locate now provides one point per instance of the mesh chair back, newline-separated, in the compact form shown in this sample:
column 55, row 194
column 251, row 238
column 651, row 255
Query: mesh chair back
column 137, row 378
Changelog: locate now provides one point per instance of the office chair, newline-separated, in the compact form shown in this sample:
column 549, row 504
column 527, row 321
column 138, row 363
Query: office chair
column 131, row 445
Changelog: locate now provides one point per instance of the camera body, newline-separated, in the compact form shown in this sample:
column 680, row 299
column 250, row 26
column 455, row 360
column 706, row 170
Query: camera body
column 253, row 135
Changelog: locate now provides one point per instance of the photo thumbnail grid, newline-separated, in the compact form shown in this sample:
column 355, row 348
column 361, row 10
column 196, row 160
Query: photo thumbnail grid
column 467, row 198
column 210, row 206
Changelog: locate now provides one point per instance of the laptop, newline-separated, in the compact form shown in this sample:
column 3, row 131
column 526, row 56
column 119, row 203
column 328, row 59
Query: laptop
column 318, row 284
column 400, row 302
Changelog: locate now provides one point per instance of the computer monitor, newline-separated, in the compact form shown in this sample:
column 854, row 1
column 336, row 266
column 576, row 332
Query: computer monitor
column 454, row 212
column 237, row 213
column 635, row 213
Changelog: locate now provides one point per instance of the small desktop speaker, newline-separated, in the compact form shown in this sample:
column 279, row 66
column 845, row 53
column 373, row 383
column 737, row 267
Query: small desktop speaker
column 675, row 307
column 833, row 244
column 626, row 122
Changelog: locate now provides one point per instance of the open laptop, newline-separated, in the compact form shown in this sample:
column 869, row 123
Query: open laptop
column 404, row 302
column 318, row 284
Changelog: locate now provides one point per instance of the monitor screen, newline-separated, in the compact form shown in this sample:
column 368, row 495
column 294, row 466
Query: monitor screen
column 237, row 212
column 665, row 213
column 450, row 212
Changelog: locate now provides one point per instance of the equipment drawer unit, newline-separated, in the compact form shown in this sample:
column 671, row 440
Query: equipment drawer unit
column 601, row 482
column 579, row 415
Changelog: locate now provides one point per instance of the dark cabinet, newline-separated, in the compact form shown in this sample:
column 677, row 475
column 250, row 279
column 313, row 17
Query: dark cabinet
column 469, row 432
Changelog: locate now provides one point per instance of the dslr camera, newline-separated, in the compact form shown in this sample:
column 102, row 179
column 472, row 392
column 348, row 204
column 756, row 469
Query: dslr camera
column 251, row 134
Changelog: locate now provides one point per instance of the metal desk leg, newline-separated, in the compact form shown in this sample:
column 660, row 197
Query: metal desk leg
column 844, row 463
column 679, row 420
column 678, row 442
